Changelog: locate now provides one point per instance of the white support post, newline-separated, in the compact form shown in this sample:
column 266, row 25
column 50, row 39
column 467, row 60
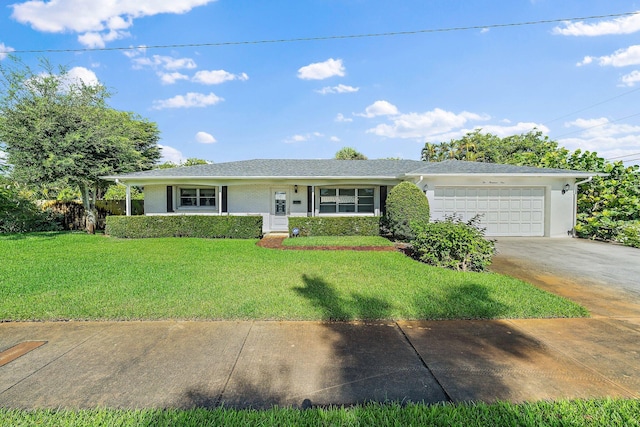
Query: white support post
column 128, row 200
column 313, row 200
column 219, row 201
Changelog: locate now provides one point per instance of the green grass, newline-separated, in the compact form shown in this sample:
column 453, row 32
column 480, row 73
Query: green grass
column 53, row 276
column 351, row 241
column 603, row 412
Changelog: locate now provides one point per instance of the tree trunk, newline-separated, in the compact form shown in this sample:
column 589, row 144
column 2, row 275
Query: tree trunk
column 89, row 210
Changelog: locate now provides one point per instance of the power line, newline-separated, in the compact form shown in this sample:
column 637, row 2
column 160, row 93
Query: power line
column 596, row 126
column 620, row 157
column 321, row 38
column 591, row 106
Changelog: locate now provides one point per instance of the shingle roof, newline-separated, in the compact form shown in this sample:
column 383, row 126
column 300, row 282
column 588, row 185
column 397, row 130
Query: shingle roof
column 329, row 168
column 287, row 168
column 453, row 167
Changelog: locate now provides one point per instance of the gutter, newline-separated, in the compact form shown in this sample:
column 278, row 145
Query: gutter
column 575, row 203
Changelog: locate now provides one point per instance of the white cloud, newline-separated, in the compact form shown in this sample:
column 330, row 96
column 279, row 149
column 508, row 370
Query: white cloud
column 602, row 136
column 338, row 89
column 334, row 139
column 168, row 63
column 340, row 118
column 620, row 58
column 170, row 154
column 5, row 51
column 190, row 100
column 379, row 108
column 171, row 78
column 631, row 79
column 437, row 123
column 205, row 138
column 215, row 77
column 98, row 41
column 81, row 74
column 97, row 22
column 303, row 138
column 322, row 70
column 623, row 25
column 504, row 131
column 484, row 30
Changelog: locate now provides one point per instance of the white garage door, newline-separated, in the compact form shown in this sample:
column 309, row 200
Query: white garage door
column 517, row 211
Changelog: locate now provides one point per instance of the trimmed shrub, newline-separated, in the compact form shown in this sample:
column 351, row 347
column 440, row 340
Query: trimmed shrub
column 454, row 244
column 406, row 206
column 230, row 227
column 336, row 226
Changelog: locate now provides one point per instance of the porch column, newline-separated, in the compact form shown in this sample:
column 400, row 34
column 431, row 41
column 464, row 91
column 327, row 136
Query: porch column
column 219, row 199
column 313, row 200
column 128, row 201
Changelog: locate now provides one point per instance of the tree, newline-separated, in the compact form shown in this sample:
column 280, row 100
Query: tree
column 191, row 161
column 348, row 153
column 60, row 132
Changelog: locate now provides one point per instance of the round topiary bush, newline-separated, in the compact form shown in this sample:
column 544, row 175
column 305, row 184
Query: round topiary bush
column 406, row 205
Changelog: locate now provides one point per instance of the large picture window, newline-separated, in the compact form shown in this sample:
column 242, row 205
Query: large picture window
column 346, row 200
column 198, row 197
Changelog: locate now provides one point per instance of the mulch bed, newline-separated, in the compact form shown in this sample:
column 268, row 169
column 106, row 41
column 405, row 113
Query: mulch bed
column 276, row 243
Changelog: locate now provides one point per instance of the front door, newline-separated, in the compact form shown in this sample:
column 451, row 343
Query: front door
column 279, row 219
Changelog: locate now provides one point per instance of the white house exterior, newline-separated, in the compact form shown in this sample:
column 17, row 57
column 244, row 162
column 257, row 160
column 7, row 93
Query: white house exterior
column 512, row 200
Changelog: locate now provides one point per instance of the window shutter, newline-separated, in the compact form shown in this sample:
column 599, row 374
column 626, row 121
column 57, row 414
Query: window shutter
column 309, row 201
column 383, row 199
column 169, row 198
column 224, row 199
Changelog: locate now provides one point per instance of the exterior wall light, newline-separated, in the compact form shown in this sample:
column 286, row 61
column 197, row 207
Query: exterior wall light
column 565, row 188
column 295, row 188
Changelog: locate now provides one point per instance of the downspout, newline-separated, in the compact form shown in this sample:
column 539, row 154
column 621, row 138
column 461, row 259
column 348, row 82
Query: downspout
column 575, row 203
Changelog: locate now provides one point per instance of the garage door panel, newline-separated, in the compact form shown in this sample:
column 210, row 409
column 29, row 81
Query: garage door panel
column 509, row 211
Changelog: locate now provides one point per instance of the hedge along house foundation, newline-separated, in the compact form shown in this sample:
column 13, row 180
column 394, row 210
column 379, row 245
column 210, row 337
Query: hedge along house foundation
column 512, row 200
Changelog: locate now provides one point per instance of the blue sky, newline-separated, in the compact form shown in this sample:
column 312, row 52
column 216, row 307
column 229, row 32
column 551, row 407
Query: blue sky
column 578, row 81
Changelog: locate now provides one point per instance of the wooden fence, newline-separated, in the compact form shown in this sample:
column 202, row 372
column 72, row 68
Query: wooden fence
column 72, row 213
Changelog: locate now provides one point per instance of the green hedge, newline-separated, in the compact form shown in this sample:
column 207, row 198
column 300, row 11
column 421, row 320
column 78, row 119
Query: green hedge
column 232, row 227
column 336, row 226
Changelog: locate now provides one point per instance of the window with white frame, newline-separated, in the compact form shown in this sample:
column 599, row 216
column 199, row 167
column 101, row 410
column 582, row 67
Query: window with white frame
column 198, row 197
column 346, row 200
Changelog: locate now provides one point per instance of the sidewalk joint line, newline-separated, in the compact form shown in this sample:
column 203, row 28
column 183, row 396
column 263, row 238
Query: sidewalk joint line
column 233, row 368
column 406, row 337
column 50, row 362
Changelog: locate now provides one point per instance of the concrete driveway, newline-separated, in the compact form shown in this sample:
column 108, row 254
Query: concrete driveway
column 603, row 277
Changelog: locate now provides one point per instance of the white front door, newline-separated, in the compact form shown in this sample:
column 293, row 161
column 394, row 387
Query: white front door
column 279, row 210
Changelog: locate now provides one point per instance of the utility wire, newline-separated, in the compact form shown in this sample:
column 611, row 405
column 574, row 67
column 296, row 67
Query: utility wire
column 620, row 157
column 591, row 106
column 597, row 126
column 320, row 38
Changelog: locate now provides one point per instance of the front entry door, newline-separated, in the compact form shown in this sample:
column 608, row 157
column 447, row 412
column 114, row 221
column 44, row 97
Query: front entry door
column 279, row 219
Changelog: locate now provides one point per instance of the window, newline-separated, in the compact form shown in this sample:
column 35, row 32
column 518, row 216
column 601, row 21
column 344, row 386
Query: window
column 194, row 197
column 346, row 200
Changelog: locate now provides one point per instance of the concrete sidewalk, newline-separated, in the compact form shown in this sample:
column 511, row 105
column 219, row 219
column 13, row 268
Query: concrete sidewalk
column 259, row 364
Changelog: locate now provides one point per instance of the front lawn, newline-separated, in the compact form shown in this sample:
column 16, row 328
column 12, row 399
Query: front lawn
column 77, row 276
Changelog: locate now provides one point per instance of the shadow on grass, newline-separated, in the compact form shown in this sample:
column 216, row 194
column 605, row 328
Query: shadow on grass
column 469, row 301
column 336, row 307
